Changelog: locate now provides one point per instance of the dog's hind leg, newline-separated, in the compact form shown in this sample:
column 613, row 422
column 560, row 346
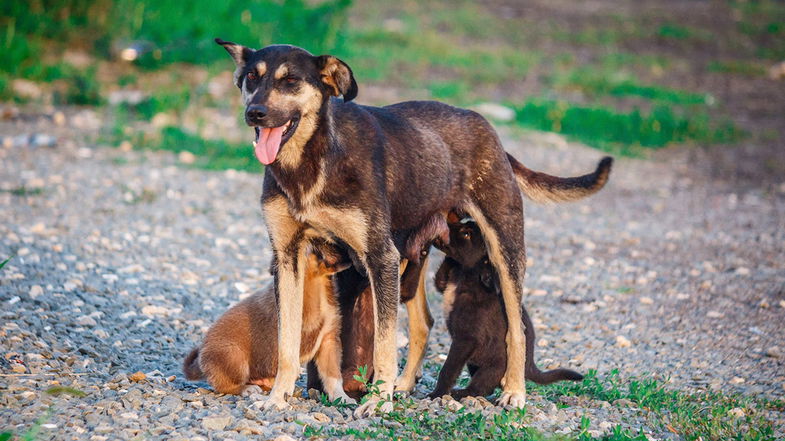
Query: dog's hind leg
column 382, row 263
column 287, row 236
column 501, row 225
column 420, row 323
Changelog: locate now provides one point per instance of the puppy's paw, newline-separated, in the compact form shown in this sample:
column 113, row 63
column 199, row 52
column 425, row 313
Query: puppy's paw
column 512, row 399
column 373, row 406
column 275, row 403
column 251, row 390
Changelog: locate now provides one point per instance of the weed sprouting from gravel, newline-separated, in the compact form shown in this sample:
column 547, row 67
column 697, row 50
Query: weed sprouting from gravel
column 3, row 263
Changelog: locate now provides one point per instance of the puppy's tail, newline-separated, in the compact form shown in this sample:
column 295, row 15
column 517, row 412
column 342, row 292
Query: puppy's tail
column 191, row 367
column 533, row 373
column 542, row 187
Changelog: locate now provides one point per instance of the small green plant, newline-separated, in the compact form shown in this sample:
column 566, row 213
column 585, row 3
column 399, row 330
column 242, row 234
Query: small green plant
column 372, row 388
column 3, row 263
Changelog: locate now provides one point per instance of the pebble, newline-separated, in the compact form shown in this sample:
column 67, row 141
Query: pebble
column 216, row 422
column 623, row 342
column 35, row 291
column 137, row 377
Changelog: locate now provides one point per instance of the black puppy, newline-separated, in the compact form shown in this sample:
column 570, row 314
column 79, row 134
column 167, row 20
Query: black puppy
column 476, row 319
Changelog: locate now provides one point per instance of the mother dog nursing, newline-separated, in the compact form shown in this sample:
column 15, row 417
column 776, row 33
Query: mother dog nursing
column 362, row 177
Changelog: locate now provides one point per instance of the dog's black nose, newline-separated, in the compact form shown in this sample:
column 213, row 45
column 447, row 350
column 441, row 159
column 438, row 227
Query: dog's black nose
column 255, row 112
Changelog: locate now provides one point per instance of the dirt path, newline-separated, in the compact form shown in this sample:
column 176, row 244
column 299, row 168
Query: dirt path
column 123, row 259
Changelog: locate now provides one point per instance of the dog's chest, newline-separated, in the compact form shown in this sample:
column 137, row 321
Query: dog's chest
column 347, row 224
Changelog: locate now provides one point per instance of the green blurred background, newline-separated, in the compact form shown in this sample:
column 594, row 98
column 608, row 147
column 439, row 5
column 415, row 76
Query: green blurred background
column 625, row 77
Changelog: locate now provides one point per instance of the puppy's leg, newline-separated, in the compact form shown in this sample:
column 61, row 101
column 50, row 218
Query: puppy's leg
column 451, row 370
column 420, row 323
column 382, row 263
column 287, row 236
column 502, row 229
column 483, row 382
column 328, row 362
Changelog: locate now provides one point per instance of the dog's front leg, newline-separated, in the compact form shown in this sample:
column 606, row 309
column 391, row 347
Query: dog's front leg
column 382, row 263
column 287, row 237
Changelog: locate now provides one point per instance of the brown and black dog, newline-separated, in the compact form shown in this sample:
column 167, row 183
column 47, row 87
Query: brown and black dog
column 476, row 320
column 355, row 175
column 241, row 347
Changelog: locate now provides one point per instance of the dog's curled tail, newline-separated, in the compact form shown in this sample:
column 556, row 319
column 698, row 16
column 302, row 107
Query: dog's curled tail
column 532, row 372
column 191, row 367
column 542, row 187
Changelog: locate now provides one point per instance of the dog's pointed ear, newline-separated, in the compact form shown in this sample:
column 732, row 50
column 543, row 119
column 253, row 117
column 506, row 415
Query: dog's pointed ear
column 239, row 53
column 338, row 77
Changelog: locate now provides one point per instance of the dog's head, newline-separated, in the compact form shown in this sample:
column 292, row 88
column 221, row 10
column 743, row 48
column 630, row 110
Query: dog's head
column 284, row 88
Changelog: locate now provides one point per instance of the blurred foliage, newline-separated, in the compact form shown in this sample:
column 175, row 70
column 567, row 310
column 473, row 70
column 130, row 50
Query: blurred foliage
column 620, row 132
column 163, row 31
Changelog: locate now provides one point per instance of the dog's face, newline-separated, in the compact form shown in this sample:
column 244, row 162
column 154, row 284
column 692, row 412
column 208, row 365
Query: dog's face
column 283, row 89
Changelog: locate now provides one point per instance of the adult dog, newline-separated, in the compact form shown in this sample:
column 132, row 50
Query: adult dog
column 357, row 174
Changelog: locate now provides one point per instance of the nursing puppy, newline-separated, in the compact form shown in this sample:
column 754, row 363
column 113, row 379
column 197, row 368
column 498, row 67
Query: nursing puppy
column 241, row 348
column 476, row 319
column 356, row 304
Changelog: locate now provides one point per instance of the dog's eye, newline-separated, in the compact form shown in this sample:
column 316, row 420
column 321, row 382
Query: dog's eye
column 251, row 76
column 466, row 234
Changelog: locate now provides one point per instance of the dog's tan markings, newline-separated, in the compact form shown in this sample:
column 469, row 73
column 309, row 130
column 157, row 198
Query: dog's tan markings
column 348, row 224
column 336, row 75
column 286, row 238
column 281, row 71
column 420, row 322
column 261, row 68
column 307, row 102
column 513, row 382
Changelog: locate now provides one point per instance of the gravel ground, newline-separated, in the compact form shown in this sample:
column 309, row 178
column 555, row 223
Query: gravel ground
column 123, row 259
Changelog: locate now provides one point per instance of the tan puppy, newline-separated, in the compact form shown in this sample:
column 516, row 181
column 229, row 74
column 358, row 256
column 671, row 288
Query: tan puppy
column 241, row 348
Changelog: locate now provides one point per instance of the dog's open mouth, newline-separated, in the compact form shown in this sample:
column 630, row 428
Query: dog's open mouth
column 270, row 139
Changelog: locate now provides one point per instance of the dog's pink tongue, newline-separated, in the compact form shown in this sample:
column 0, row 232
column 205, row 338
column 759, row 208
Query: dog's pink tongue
column 266, row 147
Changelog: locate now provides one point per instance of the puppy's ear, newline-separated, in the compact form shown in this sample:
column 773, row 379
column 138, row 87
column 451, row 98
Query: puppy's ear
column 240, row 54
column 338, row 77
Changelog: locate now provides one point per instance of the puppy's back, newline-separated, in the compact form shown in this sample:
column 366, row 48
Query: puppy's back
column 240, row 346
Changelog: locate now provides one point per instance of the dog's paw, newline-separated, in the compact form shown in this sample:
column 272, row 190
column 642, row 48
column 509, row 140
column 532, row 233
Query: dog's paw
column 512, row 399
column 405, row 384
column 346, row 399
column 373, row 406
column 275, row 403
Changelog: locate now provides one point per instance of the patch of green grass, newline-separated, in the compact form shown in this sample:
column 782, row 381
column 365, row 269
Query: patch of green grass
column 407, row 423
column 215, row 154
column 161, row 102
column 707, row 415
column 680, row 32
column 24, row 191
column 737, row 67
column 615, row 83
column 609, row 129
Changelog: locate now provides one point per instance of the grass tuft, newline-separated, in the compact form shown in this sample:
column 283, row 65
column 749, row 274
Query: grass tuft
column 611, row 130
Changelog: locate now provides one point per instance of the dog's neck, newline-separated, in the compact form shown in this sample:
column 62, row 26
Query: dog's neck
column 300, row 170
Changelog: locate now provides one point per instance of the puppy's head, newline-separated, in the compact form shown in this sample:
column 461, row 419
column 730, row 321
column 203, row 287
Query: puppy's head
column 466, row 245
column 283, row 89
column 326, row 259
